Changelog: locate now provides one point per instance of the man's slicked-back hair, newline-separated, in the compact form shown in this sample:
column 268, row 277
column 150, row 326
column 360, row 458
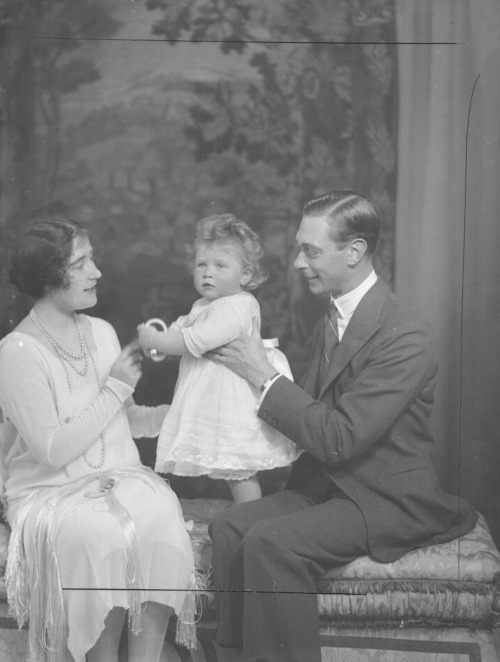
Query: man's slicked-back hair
column 349, row 215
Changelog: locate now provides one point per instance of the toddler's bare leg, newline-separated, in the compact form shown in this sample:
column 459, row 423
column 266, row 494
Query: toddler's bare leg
column 245, row 490
column 147, row 645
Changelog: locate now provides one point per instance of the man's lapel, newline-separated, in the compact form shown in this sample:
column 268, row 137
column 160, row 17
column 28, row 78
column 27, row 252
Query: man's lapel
column 362, row 326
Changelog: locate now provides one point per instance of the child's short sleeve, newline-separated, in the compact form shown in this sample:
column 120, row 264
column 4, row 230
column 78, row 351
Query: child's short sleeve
column 179, row 323
column 222, row 321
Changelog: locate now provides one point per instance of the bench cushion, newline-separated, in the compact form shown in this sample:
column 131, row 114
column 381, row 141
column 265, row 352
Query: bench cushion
column 453, row 584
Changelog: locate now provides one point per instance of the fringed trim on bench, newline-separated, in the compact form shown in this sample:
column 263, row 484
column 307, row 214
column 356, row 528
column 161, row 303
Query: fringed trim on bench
column 495, row 603
column 360, row 622
column 378, row 586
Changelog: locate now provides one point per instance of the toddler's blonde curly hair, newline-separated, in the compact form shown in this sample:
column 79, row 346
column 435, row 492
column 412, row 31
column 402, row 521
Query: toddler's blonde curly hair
column 227, row 228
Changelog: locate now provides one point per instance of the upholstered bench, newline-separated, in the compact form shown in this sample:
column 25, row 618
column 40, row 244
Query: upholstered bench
column 438, row 604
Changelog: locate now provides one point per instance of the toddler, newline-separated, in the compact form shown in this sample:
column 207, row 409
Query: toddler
column 212, row 428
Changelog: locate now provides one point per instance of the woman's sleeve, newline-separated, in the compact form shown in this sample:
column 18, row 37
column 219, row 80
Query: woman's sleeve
column 28, row 400
column 224, row 320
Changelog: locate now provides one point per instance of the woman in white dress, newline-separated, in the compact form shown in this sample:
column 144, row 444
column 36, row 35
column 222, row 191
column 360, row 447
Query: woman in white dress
column 96, row 536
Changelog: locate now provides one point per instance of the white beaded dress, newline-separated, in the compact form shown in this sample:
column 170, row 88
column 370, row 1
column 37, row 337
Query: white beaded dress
column 93, row 532
column 212, row 427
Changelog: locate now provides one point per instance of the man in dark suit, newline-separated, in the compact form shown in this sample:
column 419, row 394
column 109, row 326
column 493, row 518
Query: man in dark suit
column 365, row 483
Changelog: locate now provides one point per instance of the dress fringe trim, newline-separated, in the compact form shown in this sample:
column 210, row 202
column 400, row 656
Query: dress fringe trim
column 34, row 591
column 192, row 608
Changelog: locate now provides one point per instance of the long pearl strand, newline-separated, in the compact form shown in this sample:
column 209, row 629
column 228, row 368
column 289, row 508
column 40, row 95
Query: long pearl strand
column 67, row 357
column 61, row 351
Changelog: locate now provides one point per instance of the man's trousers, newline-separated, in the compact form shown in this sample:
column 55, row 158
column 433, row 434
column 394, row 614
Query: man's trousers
column 266, row 555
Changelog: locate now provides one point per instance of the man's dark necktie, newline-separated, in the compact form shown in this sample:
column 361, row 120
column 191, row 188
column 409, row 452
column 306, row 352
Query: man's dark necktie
column 331, row 341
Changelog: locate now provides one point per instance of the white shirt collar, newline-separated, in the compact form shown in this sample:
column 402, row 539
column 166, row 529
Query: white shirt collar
column 347, row 303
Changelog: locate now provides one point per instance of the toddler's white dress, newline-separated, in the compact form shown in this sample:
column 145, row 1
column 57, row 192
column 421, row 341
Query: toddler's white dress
column 212, row 427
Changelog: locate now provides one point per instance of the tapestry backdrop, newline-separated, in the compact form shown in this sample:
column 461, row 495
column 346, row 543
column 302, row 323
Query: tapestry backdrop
column 148, row 116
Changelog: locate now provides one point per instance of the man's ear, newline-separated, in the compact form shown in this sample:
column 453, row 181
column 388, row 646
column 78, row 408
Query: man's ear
column 357, row 251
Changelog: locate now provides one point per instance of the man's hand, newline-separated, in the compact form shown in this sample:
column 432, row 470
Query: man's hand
column 246, row 357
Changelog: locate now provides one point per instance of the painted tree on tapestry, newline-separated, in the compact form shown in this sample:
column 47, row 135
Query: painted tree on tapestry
column 308, row 108
column 43, row 47
column 318, row 115
column 42, row 62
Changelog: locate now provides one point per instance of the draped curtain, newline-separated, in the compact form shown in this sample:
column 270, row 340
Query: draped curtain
column 447, row 225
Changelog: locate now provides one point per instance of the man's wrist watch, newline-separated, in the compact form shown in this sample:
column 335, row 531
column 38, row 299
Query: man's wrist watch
column 268, row 381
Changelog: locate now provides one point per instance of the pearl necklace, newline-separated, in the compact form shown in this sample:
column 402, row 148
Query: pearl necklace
column 62, row 352
column 66, row 358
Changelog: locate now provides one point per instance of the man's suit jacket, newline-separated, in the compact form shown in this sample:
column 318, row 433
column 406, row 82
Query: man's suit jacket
column 369, row 426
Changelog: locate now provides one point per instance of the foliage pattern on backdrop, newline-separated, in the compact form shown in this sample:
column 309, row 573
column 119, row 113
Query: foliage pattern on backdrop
column 313, row 109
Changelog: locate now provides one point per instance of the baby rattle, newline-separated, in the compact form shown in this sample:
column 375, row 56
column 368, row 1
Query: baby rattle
column 152, row 353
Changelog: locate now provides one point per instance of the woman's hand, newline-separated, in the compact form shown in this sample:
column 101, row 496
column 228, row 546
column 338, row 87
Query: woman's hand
column 128, row 366
column 246, row 357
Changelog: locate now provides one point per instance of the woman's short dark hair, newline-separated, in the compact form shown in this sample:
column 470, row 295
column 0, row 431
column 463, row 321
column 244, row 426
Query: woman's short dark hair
column 349, row 215
column 42, row 252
